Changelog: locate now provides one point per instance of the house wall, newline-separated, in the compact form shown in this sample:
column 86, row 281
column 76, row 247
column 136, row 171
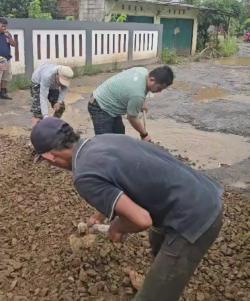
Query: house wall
column 156, row 11
column 91, row 10
column 68, row 7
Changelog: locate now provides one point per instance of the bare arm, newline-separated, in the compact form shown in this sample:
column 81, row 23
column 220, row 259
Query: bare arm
column 131, row 218
column 44, row 92
column 138, row 126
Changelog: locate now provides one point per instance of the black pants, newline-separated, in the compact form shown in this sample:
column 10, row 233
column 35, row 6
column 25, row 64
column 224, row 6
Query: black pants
column 103, row 122
column 175, row 262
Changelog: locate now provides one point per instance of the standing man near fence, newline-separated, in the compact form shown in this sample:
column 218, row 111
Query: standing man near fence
column 50, row 83
column 6, row 41
column 125, row 93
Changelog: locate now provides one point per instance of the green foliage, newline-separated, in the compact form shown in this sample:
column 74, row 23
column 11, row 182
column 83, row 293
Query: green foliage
column 50, row 6
column 227, row 15
column 169, row 56
column 21, row 8
column 87, row 70
column 19, row 82
column 246, row 24
column 91, row 70
column 14, row 8
column 228, row 47
column 70, row 18
column 119, row 18
column 35, row 11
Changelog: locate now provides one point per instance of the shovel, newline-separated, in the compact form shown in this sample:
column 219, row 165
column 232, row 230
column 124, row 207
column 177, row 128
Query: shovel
column 144, row 118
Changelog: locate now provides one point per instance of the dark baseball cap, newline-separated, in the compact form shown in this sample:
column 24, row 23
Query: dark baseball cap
column 44, row 134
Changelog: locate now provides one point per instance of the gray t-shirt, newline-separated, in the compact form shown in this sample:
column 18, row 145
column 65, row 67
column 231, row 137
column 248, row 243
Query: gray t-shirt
column 175, row 195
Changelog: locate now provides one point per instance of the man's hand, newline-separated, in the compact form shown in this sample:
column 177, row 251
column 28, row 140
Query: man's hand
column 97, row 218
column 11, row 41
column 7, row 33
column 114, row 234
column 57, row 107
column 145, row 107
column 147, row 139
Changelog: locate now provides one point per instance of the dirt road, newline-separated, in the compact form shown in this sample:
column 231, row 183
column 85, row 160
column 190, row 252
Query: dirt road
column 204, row 116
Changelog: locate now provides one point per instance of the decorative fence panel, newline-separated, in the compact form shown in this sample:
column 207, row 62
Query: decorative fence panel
column 18, row 59
column 109, row 46
column 59, row 46
column 145, row 44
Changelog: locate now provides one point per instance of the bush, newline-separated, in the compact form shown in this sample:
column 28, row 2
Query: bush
column 228, row 47
column 246, row 24
column 169, row 56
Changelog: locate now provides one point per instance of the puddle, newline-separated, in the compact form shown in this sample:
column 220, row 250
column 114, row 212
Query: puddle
column 14, row 131
column 209, row 93
column 222, row 149
column 240, row 61
column 182, row 86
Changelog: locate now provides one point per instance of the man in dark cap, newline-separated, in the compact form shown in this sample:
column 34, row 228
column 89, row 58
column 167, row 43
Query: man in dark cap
column 139, row 186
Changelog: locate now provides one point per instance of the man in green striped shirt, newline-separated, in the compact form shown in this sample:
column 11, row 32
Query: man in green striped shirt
column 125, row 93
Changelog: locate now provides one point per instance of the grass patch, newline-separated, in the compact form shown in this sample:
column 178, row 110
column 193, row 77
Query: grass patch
column 86, row 70
column 19, row 82
column 228, row 47
column 170, row 57
column 95, row 69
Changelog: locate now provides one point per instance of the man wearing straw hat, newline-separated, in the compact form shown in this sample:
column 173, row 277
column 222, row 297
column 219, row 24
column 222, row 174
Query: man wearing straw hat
column 50, row 83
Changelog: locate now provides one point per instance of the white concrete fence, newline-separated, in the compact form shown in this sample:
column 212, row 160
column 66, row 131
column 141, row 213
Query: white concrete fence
column 70, row 46
column 18, row 59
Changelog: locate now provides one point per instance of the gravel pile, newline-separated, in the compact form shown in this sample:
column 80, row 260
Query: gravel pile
column 40, row 211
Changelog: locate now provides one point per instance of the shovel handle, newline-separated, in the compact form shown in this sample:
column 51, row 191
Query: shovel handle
column 144, row 117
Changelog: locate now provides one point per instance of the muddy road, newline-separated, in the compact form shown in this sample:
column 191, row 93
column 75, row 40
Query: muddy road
column 204, row 116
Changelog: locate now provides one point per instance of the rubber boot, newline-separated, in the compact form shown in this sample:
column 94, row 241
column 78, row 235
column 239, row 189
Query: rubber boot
column 4, row 94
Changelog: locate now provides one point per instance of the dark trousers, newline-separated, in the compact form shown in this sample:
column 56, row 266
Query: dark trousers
column 175, row 262
column 103, row 122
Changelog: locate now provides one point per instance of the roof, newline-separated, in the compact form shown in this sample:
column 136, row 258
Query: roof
column 177, row 3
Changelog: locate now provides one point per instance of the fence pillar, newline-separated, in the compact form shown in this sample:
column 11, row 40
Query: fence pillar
column 130, row 45
column 28, row 51
column 88, row 47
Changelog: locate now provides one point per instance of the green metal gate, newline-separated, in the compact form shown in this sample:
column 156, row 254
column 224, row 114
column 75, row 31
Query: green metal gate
column 178, row 34
column 140, row 19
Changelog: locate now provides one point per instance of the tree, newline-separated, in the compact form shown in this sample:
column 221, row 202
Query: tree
column 35, row 11
column 224, row 11
column 14, row 8
column 20, row 8
column 228, row 15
